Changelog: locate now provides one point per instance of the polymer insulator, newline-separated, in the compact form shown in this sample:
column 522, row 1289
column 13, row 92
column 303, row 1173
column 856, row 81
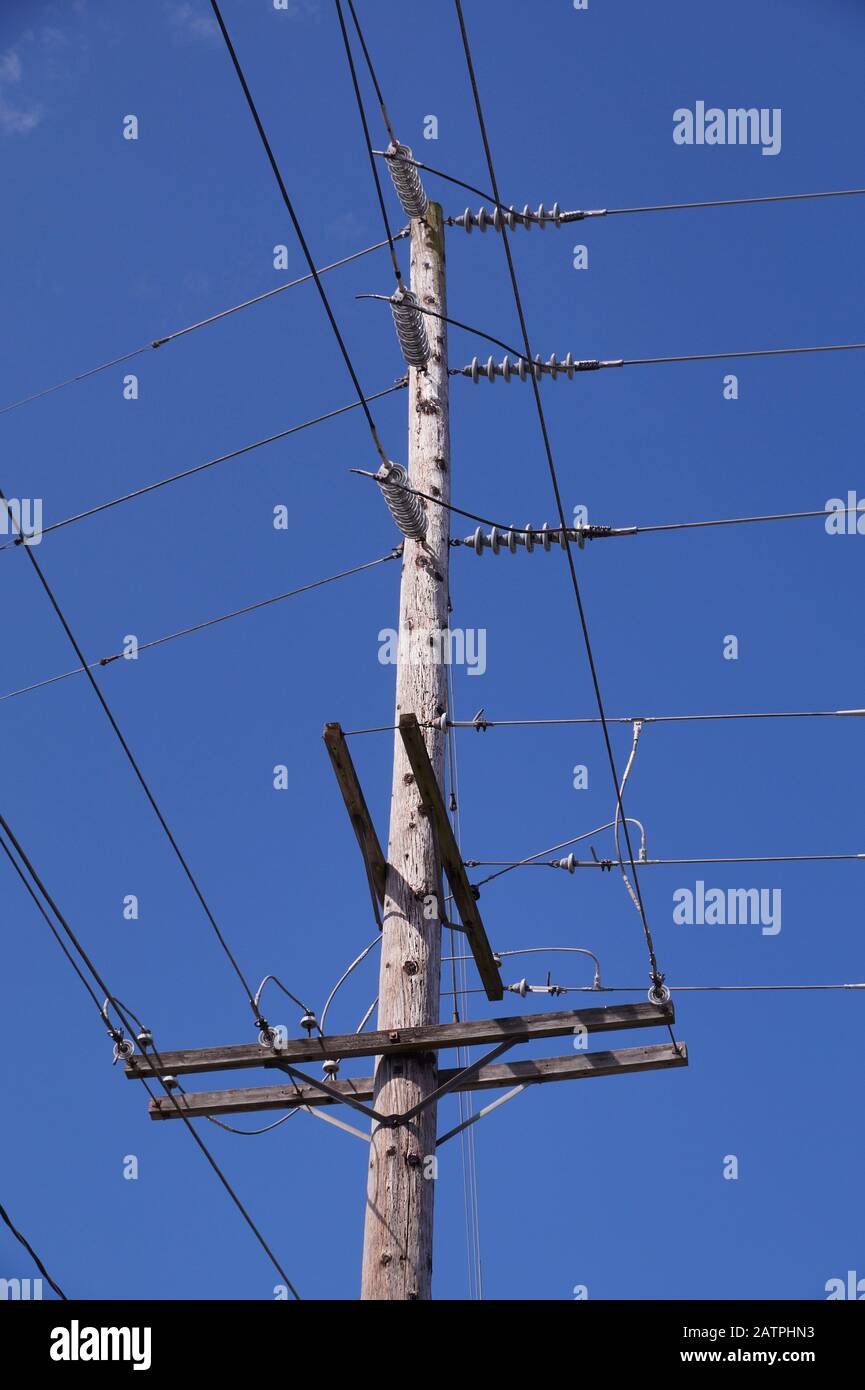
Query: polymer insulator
column 404, row 506
column 529, row 536
column 498, row 217
column 554, row 366
column 406, row 180
column 410, row 328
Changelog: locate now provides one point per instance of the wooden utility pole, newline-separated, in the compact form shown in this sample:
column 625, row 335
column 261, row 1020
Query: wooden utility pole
column 398, row 1236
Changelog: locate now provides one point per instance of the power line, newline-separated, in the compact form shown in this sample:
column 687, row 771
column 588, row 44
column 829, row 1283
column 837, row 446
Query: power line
column 118, row 1038
column 656, row 978
column 31, row 1252
column 524, row 367
column 546, row 534
column 572, row 864
column 134, row 765
column 373, row 76
column 577, row 215
column 192, row 327
column 299, row 231
column 730, row 202
column 210, row 463
column 483, row 724
column 674, row 989
column 759, row 352
column 362, row 113
column 200, row 627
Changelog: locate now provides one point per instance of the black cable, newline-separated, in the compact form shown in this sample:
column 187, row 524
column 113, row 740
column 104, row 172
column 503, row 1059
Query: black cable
column 209, row 622
column 119, row 1009
column 467, row 327
column 31, row 1252
column 559, row 504
column 372, row 73
column 298, row 230
column 57, row 937
column 366, row 135
column 134, row 765
column 211, row 463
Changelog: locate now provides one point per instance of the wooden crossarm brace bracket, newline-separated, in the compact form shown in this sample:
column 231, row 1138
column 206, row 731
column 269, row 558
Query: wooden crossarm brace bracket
column 451, row 859
column 455, row 1080
column 358, row 812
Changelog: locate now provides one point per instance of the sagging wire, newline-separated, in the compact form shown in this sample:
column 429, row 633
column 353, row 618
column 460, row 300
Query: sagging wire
column 638, row 728
column 499, row 956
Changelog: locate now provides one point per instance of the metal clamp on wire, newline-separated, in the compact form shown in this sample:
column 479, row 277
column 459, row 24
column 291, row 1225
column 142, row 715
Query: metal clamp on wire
column 410, row 328
column 404, row 505
column 406, row 180
column 659, row 994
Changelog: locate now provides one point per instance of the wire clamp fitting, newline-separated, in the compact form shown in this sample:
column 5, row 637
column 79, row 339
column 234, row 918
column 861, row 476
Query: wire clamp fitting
column 659, row 994
column 124, row 1048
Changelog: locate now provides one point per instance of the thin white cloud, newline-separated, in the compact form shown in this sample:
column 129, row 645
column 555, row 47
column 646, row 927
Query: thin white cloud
column 192, row 24
column 16, row 117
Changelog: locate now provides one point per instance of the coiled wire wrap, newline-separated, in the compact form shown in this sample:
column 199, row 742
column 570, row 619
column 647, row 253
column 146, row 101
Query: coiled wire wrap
column 404, row 506
column 406, row 180
column 410, row 328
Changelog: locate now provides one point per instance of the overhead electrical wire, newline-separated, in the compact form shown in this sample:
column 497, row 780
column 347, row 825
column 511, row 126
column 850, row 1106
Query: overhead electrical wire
column 484, row 724
column 119, row 1009
column 367, row 138
column 193, row 327
column 52, row 598
column 674, row 989
column 657, row 979
column 540, row 535
column 299, row 231
column 7, row 1220
column 208, row 622
column 210, row 463
column 579, row 214
column 572, row 864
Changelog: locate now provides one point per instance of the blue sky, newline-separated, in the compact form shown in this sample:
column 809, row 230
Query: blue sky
column 106, row 244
